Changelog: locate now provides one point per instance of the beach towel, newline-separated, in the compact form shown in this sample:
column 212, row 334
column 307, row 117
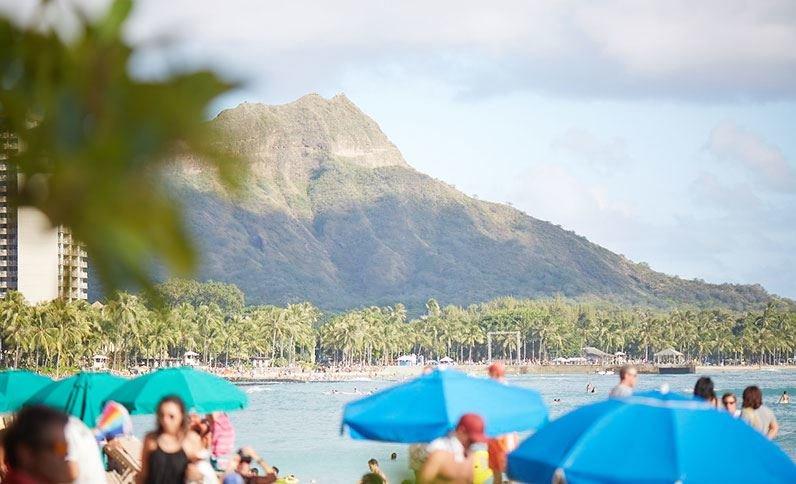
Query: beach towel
column 113, row 422
column 223, row 442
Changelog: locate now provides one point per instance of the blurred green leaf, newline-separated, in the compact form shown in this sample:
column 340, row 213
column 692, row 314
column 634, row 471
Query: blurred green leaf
column 97, row 144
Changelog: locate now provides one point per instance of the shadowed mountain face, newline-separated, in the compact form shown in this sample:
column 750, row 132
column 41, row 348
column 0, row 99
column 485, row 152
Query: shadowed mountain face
column 333, row 214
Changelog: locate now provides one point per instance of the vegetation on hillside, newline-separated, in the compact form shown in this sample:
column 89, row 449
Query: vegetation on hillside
column 212, row 319
column 347, row 232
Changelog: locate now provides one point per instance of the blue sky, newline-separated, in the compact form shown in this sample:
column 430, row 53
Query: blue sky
column 661, row 130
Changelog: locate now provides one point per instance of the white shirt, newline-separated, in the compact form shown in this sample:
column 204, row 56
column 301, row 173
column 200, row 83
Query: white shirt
column 620, row 391
column 82, row 448
column 448, row 444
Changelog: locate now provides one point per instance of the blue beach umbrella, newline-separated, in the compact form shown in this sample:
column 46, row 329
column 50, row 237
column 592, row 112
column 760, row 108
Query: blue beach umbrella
column 430, row 406
column 651, row 437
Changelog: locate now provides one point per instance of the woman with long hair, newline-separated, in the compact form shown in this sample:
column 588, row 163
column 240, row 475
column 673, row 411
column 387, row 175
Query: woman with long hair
column 758, row 415
column 169, row 451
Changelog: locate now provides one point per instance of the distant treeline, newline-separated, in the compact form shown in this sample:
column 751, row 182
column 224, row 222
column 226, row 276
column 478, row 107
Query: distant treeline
column 212, row 319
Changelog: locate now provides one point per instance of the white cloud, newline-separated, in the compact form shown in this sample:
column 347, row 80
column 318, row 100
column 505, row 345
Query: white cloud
column 604, row 155
column 555, row 193
column 709, row 190
column 765, row 161
column 730, row 235
column 715, row 49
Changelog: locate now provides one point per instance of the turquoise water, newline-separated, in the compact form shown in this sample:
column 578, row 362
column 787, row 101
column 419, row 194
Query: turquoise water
column 296, row 426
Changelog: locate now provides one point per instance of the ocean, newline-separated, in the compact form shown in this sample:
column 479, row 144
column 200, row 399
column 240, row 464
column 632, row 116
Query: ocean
column 296, row 426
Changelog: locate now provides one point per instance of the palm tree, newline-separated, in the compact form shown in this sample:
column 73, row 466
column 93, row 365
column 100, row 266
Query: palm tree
column 15, row 315
column 209, row 326
column 124, row 317
column 159, row 335
column 69, row 327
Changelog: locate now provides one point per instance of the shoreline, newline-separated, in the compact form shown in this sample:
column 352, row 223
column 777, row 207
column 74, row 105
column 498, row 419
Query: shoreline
column 397, row 373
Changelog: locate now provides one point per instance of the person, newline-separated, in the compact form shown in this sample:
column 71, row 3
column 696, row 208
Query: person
column 222, row 440
column 373, row 465
column 730, row 403
column 203, row 428
column 448, row 458
column 83, row 453
column 242, row 469
column 35, row 447
column 203, row 463
column 627, row 381
column 499, row 447
column 372, row 478
column 784, row 398
column 703, row 388
column 758, row 415
column 168, row 451
column 589, row 387
column 497, row 372
column 3, row 466
column 394, row 456
column 238, row 469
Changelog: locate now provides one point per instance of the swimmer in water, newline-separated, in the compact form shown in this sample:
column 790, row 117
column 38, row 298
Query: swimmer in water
column 785, row 398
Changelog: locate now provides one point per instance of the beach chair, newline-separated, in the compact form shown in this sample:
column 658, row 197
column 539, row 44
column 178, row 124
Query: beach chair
column 113, row 477
column 124, row 457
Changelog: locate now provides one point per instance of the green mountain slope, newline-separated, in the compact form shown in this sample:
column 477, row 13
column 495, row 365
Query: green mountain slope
column 333, row 214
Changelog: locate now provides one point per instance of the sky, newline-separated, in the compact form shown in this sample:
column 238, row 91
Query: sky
column 663, row 130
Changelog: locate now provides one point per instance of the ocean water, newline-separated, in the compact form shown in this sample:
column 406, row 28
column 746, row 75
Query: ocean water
column 296, row 426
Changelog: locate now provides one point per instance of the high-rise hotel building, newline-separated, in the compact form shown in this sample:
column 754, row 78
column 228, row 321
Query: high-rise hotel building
column 40, row 261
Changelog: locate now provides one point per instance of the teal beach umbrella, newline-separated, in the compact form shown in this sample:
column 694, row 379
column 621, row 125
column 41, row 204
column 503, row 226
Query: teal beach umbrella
column 201, row 391
column 17, row 386
column 82, row 395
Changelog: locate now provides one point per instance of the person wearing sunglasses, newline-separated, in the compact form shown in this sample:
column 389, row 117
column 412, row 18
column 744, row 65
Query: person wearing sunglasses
column 730, row 403
column 36, row 448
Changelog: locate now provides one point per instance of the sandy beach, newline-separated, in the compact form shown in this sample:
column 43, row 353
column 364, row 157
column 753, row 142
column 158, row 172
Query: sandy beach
column 402, row 372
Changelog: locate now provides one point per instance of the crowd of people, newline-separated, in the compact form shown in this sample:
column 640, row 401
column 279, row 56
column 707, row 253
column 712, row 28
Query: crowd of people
column 450, row 459
column 752, row 410
column 44, row 445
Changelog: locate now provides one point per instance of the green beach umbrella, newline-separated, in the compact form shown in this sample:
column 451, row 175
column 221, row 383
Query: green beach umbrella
column 201, row 391
column 82, row 395
column 17, row 386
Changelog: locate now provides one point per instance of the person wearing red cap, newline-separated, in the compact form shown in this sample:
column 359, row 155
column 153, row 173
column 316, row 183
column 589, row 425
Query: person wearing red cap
column 448, row 457
column 499, row 447
column 497, row 372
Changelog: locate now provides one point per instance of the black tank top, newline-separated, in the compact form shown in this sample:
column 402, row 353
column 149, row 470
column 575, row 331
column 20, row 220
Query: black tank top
column 167, row 468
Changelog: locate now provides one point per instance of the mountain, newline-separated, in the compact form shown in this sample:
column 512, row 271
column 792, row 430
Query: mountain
column 332, row 213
